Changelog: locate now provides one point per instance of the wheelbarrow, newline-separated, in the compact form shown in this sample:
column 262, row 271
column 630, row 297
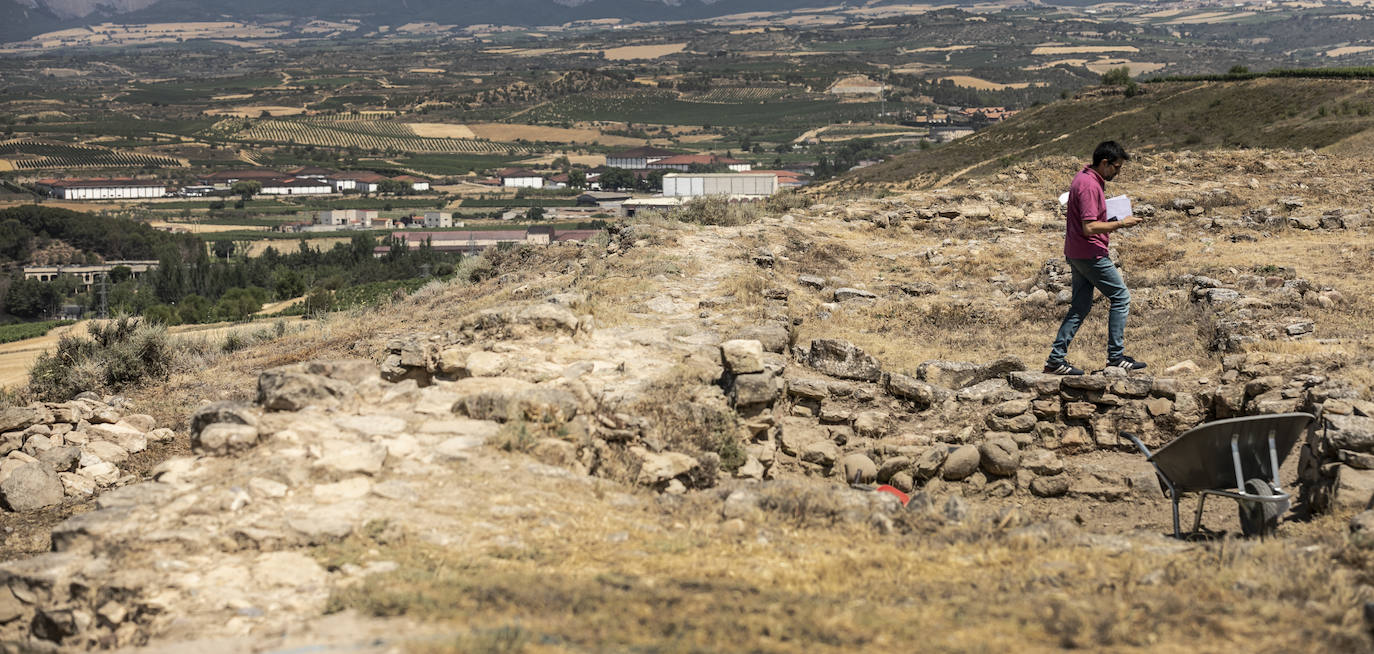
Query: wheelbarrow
column 1237, row 458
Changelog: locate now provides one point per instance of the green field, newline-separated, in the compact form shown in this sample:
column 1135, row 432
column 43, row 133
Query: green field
column 193, row 90
column 26, row 330
column 663, row 110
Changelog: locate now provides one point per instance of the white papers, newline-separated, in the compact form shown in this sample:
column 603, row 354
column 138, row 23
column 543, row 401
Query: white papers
column 1118, row 207
column 1064, row 199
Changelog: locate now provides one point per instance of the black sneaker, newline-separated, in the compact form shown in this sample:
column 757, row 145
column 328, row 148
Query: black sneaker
column 1126, row 363
column 1061, row 369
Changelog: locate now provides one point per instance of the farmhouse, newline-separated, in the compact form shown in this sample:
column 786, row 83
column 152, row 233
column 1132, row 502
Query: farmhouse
column 684, row 162
column 362, row 218
column 521, row 178
column 735, row 185
column 363, row 181
column 102, row 189
column 638, row 158
column 438, row 219
column 88, row 274
column 994, row 114
column 296, row 186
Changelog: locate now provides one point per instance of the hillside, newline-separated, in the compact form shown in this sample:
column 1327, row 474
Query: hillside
column 641, row 442
column 1292, row 114
column 36, row 16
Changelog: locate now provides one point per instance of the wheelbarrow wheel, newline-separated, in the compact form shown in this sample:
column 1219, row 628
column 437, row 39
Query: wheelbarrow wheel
column 1260, row 518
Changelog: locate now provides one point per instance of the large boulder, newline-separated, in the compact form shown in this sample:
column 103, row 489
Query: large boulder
column 909, row 388
column 1355, row 433
column 17, row 418
column 289, row 388
column 958, row 374
column 961, row 463
column 742, row 357
column 1000, row 457
column 843, row 359
column 658, row 467
column 858, row 469
column 32, row 486
column 774, row 337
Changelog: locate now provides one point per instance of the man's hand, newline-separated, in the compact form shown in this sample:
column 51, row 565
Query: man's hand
column 1104, row 226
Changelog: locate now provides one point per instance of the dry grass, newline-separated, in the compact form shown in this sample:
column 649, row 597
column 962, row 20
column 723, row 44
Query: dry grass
column 678, row 579
column 643, row 51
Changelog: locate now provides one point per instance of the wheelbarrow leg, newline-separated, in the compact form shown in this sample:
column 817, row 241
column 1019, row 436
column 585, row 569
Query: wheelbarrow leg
column 1197, row 521
column 1164, row 481
column 1176, row 532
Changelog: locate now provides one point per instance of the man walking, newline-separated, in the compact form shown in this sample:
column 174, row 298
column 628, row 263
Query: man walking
column 1085, row 246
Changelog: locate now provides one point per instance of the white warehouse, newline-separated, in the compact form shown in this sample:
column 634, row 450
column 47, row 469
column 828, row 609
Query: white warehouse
column 739, row 185
column 103, row 189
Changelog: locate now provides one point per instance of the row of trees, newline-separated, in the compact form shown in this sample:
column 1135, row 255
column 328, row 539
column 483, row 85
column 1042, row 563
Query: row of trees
column 199, row 289
column 27, row 228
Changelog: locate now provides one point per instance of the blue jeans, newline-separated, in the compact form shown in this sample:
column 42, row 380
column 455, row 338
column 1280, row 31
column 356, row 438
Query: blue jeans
column 1088, row 274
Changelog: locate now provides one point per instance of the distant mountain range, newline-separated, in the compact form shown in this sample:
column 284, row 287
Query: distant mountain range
column 25, row 18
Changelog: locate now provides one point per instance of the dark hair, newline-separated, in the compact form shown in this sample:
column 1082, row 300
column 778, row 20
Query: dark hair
column 1109, row 151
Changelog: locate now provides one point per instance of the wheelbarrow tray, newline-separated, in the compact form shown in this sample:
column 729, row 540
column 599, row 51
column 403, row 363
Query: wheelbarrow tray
column 1226, row 457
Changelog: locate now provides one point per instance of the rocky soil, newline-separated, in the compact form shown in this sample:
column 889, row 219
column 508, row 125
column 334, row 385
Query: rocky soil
column 748, row 385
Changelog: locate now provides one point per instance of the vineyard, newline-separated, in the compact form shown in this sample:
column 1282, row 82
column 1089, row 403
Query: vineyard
column 368, row 135
column 740, row 94
column 37, row 155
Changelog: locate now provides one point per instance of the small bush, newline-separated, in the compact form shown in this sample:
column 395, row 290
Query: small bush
column 120, row 353
column 715, row 210
column 787, row 200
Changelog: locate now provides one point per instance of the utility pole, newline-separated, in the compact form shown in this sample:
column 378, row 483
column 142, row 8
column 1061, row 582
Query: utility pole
column 104, row 295
column 882, row 98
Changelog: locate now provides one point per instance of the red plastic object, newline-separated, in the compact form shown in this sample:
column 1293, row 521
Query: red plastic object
column 903, row 497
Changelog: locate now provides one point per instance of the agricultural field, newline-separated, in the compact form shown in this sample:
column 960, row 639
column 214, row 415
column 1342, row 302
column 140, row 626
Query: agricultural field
column 370, row 135
column 448, row 101
column 28, row 155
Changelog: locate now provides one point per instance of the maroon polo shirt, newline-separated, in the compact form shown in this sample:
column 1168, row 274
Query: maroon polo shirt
column 1087, row 201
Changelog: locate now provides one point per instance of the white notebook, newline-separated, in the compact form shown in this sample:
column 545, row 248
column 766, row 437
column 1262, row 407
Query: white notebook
column 1118, row 207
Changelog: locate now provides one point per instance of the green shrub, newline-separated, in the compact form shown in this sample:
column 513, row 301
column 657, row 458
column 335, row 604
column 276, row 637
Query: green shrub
column 1117, row 76
column 715, row 210
column 120, row 353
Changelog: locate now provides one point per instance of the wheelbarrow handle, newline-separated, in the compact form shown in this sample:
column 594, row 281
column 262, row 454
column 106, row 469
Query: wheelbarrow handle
column 1144, row 450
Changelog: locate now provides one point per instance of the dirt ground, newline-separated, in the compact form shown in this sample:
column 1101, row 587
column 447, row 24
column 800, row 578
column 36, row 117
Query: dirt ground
column 644, row 51
column 982, row 84
column 256, row 248
column 549, row 560
column 198, row 228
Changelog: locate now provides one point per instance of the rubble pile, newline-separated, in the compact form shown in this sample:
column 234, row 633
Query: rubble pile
column 53, row 451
